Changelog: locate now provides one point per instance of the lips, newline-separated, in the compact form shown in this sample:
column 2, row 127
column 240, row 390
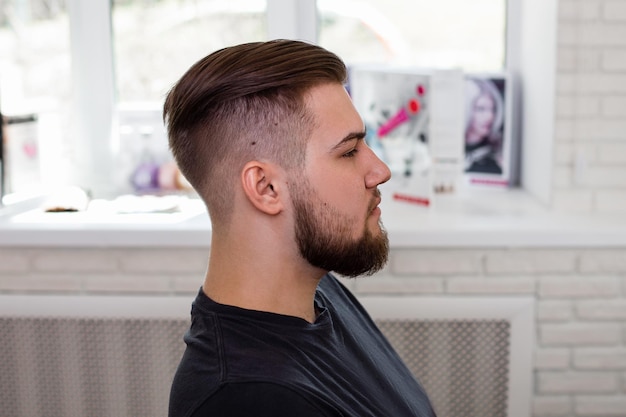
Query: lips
column 375, row 204
column 375, row 201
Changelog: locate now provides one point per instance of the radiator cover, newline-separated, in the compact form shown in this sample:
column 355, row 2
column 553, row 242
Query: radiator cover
column 116, row 355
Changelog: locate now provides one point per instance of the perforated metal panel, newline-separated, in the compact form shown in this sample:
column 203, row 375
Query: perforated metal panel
column 81, row 357
column 462, row 364
column 87, row 367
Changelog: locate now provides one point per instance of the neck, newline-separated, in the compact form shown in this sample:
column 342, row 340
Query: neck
column 260, row 276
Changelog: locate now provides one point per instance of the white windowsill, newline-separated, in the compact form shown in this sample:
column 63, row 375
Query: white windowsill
column 486, row 218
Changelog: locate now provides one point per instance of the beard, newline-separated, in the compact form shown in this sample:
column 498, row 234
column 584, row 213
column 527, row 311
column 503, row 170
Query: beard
column 324, row 238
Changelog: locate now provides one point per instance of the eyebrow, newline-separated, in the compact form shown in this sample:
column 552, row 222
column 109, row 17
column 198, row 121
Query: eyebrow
column 350, row 136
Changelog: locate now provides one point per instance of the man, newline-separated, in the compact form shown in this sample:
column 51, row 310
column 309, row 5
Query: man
column 269, row 138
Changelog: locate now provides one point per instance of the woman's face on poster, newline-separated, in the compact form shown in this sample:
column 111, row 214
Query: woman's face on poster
column 483, row 115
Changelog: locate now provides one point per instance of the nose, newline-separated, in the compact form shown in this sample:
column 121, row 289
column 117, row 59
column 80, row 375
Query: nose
column 378, row 172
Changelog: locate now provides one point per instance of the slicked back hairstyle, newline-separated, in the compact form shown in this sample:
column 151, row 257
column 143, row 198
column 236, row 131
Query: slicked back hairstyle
column 243, row 103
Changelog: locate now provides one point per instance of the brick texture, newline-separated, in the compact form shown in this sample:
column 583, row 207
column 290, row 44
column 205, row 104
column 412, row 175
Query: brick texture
column 580, row 334
column 600, row 405
column 580, row 349
column 552, row 406
column 552, row 359
column 591, row 105
column 575, row 287
column 608, row 359
column 530, row 261
column 577, row 382
column 436, row 262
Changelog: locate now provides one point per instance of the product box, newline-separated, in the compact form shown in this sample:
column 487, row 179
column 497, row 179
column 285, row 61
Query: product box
column 414, row 122
column 20, row 153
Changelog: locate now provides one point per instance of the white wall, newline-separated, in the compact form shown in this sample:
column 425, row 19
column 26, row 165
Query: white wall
column 589, row 162
column 580, row 346
column 532, row 60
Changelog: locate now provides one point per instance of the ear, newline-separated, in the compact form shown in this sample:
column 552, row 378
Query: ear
column 261, row 187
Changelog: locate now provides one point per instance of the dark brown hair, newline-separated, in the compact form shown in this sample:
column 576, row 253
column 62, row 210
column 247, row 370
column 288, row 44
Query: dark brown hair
column 242, row 103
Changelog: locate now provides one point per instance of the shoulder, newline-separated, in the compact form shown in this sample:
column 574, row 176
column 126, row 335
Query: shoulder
column 341, row 298
column 331, row 286
column 261, row 399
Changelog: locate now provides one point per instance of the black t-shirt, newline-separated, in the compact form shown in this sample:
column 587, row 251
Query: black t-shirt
column 242, row 362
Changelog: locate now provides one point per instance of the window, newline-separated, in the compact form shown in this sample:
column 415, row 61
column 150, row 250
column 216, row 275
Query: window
column 446, row 33
column 152, row 42
column 35, row 85
column 156, row 41
column 34, row 56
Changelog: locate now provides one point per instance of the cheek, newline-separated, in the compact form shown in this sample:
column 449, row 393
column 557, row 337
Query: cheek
column 340, row 191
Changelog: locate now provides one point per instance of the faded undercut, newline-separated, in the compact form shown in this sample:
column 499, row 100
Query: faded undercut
column 244, row 103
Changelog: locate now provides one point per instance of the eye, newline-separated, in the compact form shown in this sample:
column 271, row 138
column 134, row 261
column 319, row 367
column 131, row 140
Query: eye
column 350, row 154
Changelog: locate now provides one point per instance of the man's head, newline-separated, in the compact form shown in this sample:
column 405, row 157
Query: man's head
column 243, row 103
column 282, row 103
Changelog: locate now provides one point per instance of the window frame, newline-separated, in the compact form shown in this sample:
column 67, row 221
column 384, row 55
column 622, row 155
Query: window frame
column 94, row 138
column 530, row 59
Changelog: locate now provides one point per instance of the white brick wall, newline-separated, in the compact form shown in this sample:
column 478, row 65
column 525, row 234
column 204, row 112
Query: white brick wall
column 589, row 168
column 600, row 406
column 579, row 287
column 612, row 152
column 501, row 285
column 602, row 261
column 580, row 334
column 554, row 310
column 614, row 10
column 13, row 261
column 580, row 347
column 579, row 10
column 614, row 60
column 601, row 309
column 530, row 261
column 611, row 201
column 552, row 406
column 577, row 382
column 595, row 359
column 552, row 359
column 436, row 262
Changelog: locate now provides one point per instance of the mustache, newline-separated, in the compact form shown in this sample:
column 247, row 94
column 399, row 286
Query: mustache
column 375, row 201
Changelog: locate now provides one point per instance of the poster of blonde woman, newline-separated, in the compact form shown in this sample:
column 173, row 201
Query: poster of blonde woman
column 484, row 125
column 488, row 147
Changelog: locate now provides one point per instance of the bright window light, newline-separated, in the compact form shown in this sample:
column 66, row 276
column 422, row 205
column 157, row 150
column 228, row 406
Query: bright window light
column 156, row 42
column 35, row 83
column 434, row 34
